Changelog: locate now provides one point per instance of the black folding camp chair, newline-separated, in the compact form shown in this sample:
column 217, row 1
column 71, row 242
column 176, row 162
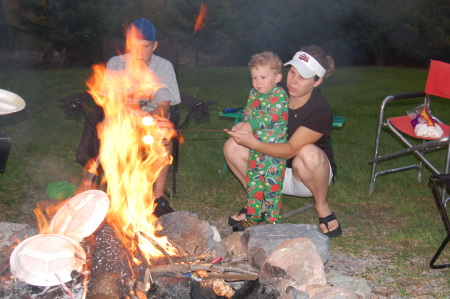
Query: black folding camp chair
column 89, row 143
column 440, row 184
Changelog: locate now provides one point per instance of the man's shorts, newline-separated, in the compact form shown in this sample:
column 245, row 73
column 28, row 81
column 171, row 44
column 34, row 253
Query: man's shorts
column 294, row 188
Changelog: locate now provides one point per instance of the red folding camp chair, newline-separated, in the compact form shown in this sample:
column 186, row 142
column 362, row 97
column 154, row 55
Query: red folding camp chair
column 438, row 84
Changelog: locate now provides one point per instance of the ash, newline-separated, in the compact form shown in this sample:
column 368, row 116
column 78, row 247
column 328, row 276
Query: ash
column 16, row 289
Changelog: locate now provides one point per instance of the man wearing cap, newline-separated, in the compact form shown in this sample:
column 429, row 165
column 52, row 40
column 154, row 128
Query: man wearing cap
column 141, row 43
column 310, row 164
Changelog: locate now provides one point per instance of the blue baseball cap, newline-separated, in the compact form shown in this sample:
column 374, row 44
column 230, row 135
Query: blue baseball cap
column 145, row 29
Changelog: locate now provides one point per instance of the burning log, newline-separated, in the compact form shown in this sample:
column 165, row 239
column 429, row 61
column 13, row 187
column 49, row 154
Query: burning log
column 109, row 266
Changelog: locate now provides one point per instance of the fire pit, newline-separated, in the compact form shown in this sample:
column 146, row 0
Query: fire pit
column 241, row 265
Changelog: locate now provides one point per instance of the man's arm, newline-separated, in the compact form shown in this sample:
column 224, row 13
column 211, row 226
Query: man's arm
column 162, row 109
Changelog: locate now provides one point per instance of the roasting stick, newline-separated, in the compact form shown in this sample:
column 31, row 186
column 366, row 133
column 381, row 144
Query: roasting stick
column 202, row 130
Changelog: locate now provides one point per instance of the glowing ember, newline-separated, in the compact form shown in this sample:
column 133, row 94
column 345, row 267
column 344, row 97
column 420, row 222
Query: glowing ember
column 200, row 23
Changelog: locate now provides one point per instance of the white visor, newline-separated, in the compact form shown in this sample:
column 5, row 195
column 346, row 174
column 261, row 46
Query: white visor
column 306, row 65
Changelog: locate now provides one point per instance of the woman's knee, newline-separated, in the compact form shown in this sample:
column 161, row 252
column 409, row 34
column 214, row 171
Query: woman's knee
column 310, row 157
column 233, row 151
column 228, row 147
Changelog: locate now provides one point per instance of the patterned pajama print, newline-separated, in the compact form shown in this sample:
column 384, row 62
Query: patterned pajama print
column 268, row 115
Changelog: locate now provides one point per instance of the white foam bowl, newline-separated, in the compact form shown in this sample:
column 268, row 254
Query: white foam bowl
column 10, row 102
column 47, row 260
column 79, row 217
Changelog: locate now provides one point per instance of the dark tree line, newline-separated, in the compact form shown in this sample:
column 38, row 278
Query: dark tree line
column 370, row 32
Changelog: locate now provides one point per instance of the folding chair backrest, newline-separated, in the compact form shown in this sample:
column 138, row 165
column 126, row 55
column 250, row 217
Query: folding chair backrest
column 438, row 81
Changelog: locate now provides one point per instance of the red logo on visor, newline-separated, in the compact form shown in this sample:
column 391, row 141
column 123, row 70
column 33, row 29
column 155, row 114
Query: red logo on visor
column 304, row 57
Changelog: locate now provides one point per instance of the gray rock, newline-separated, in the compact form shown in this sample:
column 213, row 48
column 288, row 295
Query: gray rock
column 233, row 245
column 260, row 241
column 296, row 264
column 357, row 284
column 192, row 235
column 292, row 293
column 11, row 234
column 338, row 292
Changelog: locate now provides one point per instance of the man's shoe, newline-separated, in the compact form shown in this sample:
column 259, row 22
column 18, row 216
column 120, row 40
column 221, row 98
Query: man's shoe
column 162, row 207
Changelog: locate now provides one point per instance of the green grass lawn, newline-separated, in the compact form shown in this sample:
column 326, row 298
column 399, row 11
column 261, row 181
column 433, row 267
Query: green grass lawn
column 399, row 219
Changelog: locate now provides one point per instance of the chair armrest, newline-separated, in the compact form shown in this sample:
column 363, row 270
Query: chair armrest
column 404, row 96
column 76, row 104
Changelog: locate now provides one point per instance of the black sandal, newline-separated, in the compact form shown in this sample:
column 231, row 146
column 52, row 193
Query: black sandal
column 244, row 224
column 331, row 233
column 233, row 222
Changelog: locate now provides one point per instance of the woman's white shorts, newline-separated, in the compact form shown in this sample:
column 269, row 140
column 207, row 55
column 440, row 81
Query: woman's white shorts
column 294, row 188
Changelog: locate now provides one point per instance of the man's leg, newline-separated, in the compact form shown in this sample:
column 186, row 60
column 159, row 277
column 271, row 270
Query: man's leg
column 160, row 184
column 162, row 205
column 311, row 167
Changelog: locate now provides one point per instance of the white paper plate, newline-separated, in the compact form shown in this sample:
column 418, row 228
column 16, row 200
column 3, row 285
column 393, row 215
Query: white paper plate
column 10, row 102
column 47, row 260
column 81, row 215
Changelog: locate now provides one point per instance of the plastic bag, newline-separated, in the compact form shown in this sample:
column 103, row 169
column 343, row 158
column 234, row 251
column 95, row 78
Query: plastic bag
column 423, row 123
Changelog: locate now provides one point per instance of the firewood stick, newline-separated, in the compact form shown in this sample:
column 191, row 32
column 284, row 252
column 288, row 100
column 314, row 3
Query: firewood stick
column 234, row 259
column 156, row 244
column 184, row 268
column 231, row 277
column 155, row 260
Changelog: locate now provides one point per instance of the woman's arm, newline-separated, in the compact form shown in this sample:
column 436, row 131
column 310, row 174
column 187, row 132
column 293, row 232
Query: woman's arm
column 286, row 150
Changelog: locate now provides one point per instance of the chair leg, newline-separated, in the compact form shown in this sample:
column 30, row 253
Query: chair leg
column 175, row 150
column 438, row 253
column 373, row 178
column 440, row 198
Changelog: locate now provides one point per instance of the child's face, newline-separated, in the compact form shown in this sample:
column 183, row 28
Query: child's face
column 264, row 78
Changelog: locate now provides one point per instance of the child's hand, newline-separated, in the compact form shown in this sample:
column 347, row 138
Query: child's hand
column 242, row 126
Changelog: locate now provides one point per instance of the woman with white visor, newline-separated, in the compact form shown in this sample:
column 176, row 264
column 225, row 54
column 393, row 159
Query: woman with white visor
column 310, row 166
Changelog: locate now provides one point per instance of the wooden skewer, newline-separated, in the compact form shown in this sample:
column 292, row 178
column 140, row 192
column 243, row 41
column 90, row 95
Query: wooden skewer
column 202, row 130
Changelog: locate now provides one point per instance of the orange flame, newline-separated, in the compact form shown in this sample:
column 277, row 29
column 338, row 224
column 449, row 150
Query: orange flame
column 45, row 211
column 132, row 152
column 200, row 23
